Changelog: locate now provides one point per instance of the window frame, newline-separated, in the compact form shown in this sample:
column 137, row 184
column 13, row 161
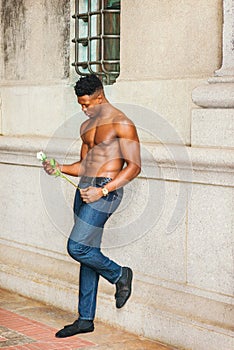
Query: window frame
column 107, row 68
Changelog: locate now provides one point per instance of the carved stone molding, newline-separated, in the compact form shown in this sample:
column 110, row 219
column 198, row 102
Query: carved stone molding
column 219, row 90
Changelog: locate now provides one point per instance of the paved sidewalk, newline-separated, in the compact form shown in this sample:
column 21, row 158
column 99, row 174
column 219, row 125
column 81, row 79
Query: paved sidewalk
column 26, row 324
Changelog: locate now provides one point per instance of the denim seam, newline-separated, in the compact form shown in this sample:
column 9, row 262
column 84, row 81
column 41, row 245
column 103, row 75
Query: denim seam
column 92, row 302
column 121, row 271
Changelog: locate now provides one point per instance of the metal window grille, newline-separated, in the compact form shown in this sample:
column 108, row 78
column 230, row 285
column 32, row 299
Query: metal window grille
column 97, row 38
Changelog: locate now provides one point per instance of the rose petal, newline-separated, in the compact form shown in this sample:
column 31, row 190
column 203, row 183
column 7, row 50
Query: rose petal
column 41, row 156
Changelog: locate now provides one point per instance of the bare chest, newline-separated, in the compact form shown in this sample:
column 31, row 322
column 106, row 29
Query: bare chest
column 99, row 135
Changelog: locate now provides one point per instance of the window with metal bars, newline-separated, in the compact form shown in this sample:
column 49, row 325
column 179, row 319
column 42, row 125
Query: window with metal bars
column 97, row 38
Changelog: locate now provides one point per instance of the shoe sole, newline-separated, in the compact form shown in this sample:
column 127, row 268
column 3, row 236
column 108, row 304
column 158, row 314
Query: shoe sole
column 88, row 330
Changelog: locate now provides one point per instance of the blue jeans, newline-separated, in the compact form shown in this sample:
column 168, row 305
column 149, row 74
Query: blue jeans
column 84, row 244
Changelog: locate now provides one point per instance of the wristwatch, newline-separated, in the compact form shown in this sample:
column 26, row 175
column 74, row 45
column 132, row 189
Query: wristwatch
column 105, row 191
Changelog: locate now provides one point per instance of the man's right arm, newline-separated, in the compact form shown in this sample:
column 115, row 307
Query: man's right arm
column 75, row 169
column 71, row 169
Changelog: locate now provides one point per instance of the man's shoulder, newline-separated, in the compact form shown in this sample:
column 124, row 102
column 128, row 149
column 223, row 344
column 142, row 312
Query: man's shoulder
column 120, row 118
column 84, row 124
column 124, row 127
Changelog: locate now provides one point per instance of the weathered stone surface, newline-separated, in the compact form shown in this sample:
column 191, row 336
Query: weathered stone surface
column 35, row 40
column 213, row 128
column 210, row 258
column 170, row 39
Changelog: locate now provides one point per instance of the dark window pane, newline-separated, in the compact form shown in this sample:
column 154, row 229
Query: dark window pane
column 97, row 38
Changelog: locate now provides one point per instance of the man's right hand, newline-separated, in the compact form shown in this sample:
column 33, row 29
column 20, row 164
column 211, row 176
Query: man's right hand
column 49, row 169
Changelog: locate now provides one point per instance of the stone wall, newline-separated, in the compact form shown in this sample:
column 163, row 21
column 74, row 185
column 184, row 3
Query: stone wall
column 35, row 40
column 175, row 224
column 34, row 65
column 161, row 56
column 163, row 40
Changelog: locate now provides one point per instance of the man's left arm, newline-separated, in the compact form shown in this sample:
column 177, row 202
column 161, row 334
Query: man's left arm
column 130, row 151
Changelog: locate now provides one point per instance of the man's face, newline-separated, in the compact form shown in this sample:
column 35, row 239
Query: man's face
column 91, row 105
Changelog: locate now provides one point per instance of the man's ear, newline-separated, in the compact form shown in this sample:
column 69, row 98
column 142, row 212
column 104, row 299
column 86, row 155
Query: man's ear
column 100, row 98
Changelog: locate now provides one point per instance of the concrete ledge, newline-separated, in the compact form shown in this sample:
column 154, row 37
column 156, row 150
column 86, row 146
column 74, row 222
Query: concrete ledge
column 165, row 162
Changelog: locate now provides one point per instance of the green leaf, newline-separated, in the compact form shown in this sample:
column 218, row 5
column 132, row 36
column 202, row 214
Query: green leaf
column 53, row 163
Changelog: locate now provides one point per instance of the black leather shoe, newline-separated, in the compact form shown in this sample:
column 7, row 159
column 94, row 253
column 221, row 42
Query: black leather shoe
column 79, row 326
column 123, row 287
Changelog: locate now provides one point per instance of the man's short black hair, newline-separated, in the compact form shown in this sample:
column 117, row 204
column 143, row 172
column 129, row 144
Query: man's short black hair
column 88, row 85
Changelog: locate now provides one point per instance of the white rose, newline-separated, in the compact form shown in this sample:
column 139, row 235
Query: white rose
column 41, row 156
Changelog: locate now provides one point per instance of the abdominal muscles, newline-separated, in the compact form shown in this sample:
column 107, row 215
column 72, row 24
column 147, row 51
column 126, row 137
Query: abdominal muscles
column 104, row 160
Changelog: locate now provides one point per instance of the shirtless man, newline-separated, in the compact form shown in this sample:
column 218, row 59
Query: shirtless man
column 109, row 159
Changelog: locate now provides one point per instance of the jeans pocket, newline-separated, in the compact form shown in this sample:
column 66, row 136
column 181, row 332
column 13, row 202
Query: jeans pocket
column 114, row 199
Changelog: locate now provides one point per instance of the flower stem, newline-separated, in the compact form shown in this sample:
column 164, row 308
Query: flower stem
column 71, row 182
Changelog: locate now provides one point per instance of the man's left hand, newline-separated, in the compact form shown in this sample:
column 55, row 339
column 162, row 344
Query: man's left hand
column 91, row 194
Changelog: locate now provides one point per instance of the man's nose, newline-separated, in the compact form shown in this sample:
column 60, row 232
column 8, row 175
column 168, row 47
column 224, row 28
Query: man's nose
column 84, row 108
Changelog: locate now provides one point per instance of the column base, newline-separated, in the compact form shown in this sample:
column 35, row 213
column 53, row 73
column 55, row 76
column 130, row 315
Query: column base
column 215, row 94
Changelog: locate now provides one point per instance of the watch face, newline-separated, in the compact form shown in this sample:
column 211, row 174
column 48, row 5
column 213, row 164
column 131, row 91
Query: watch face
column 105, row 191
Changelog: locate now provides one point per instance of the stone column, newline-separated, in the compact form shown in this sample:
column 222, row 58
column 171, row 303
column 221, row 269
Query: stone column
column 214, row 126
column 227, row 69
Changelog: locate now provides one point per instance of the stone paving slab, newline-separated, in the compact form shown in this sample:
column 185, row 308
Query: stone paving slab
column 26, row 324
column 23, row 333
